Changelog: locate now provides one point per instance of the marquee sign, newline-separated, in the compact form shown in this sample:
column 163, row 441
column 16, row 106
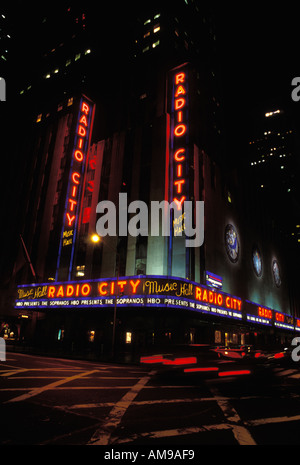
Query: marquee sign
column 179, row 138
column 75, row 186
column 258, row 314
column 148, row 291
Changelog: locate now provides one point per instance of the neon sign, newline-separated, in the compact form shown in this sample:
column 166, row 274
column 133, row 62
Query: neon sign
column 75, row 185
column 149, row 291
column 179, row 132
column 266, row 316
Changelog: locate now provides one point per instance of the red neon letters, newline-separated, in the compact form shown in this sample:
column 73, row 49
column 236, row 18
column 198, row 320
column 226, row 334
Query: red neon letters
column 78, row 159
column 266, row 313
column 180, row 129
column 216, row 298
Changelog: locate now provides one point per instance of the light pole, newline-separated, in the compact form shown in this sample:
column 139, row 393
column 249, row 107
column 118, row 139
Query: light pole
column 96, row 238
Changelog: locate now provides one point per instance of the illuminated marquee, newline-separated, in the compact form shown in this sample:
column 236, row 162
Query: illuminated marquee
column 75, row 185
column 267, row 316
column 150, row 291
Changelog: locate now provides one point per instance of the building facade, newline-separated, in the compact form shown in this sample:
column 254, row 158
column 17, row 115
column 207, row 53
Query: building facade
column 159, row 141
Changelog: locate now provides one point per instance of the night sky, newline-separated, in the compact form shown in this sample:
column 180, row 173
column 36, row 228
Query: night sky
column 259, row 57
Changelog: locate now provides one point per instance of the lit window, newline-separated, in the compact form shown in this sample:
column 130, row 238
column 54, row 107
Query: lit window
column 146, row 35
column 155, row 44
column 77, row 56
column 157, row 16
column 146, row 49
column 68, row 62
column 147, row 22
column 70, row 101
column 39, row 118
column 47, row 76
column 80, row 270
column 87, row 51
column 128, row 338
column 91, row 336
column 56, row 70
column 156, row 29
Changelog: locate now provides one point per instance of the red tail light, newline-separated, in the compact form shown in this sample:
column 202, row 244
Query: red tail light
column 234, row 373
column 194, row 370
column 152, row 359
column 181, row 361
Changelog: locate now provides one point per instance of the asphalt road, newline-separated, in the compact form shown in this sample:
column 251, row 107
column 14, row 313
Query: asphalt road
column 49, row 401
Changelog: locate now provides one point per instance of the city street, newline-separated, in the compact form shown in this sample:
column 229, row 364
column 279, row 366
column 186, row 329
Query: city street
column 49, row 401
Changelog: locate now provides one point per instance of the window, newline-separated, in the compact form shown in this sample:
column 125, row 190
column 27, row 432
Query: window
column 60, row 334
column 128, row 337
column 157, row 16
column 156, row 29
column 77, row 56
column 148, row 21
column 39, row 117
column 146, row 49
column 91, row 336
column 68, row 62
column 80, row 270
column 155, row 44
column 218, row 337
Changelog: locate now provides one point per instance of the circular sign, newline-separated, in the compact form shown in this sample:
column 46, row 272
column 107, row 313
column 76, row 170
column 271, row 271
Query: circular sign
column 231, row 243
column 257, row 261
column 276, row 273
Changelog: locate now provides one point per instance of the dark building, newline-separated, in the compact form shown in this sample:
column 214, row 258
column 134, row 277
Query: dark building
column 134, row 108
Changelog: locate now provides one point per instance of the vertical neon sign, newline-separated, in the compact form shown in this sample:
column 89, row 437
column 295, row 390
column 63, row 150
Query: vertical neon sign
column 178, row 93
column 179, row 141
column 74, row 189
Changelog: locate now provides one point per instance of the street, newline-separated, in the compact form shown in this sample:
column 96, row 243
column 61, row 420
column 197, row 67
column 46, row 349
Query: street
column 49, row 401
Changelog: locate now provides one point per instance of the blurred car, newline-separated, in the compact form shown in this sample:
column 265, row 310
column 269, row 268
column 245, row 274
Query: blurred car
column 199, row 359
column 242, row 352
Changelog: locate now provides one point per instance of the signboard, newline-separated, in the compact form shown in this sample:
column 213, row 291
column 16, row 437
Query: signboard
column 258, row 314
column 150, row 291
column 179, row 139
column 213, row 281
column 74, row 189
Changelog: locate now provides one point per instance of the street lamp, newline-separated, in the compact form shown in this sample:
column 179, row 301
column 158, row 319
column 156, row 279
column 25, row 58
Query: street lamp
column 96, row 239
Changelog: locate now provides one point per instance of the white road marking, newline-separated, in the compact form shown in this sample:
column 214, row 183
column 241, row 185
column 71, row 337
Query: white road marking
column 266, row 421
column 287, row 372
column 171, row 432
column 14, row 372
column 103, row 435
column 241, row 434
column 37, row 391
column 136, row 402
